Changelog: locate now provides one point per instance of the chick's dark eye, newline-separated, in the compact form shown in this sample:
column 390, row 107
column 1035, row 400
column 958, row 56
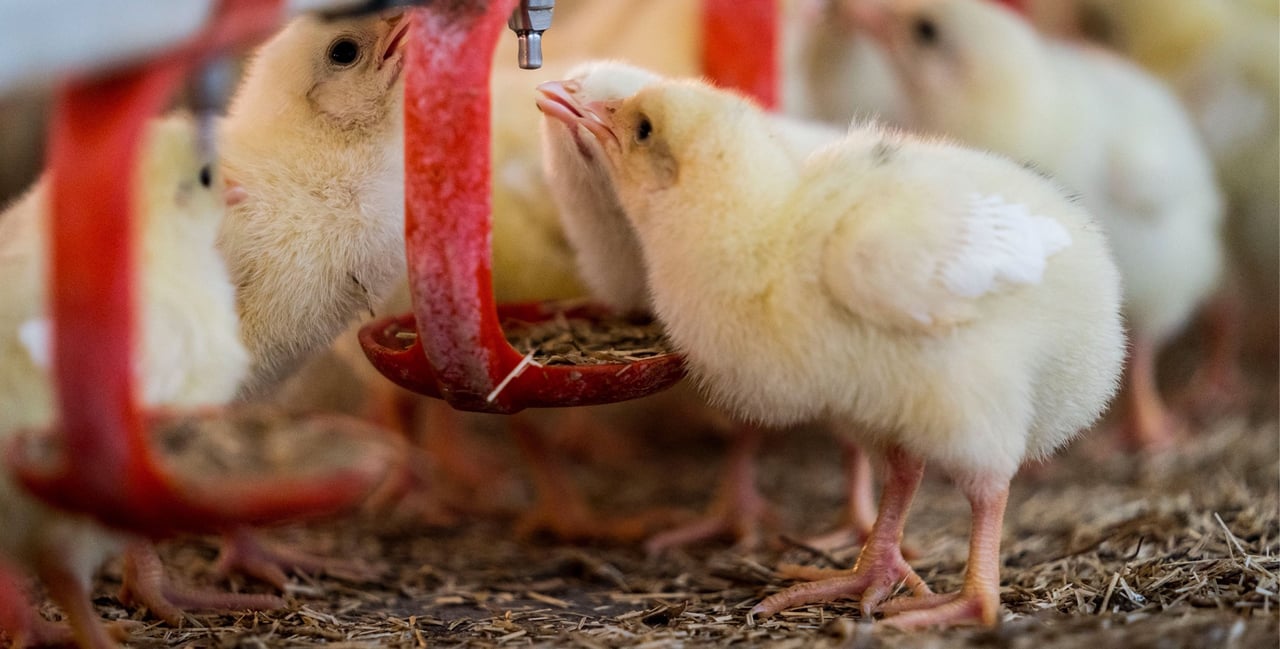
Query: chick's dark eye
column 926, row 32
column 644, row 129
column 344, row 52
column 206, row 176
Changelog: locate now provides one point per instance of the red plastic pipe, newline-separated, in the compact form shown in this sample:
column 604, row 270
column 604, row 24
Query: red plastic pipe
column 447, row 193
column 107, row 468
column 740, row 47
column 460, row 352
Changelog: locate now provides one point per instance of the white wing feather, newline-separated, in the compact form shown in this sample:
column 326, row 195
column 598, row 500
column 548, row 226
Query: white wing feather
column 904, row 274
column 1000, row 244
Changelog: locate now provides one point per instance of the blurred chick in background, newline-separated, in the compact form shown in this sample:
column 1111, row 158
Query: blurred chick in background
column 313, row 142
column 960, row 309
column 976, row 71
column 835, row 73
column 1222, row 57
column 189, row 355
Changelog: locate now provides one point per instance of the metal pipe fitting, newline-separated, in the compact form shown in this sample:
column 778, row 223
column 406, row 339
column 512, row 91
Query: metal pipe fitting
column 529, row 19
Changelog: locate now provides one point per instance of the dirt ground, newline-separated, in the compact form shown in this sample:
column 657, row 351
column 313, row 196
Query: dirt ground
column 1100, row 550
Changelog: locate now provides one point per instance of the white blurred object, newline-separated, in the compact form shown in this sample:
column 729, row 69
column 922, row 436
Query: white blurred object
column 47, row 40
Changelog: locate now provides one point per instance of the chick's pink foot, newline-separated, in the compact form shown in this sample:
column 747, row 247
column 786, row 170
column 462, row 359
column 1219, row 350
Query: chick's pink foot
column 145, row 584
column 83, row 626
column 243, row 551
column 880, row 566
column 738, row 509
column 22, row 626
column 978, row 601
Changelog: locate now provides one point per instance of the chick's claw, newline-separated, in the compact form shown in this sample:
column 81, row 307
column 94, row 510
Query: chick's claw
column 39, row 632
column 870, row 583
column 738, row 510
column 145, row 584
column 244, row 551
column 910, row 613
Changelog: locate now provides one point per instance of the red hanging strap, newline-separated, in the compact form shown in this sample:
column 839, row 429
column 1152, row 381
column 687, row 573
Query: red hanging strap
column 740, row 47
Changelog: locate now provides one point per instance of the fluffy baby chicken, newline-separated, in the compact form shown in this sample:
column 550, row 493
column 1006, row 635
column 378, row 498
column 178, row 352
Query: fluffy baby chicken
column 190, row 349
column 611, row 261
column 1222, row 57
column 960, row 309
column 314, row 140
column 976, row 71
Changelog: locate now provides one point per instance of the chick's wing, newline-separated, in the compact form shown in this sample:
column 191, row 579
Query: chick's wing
column 922, row 261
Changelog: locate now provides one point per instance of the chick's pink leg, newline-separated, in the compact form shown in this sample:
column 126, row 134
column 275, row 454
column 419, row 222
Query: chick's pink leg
column 23, row 626
column 70, row 594
column 860, row 505
column 560, row 508
column 979, row 598
column 146, row 584
column 17, row 616
column 585, row 438
column 737, row 509
column 880, row 565
column 1149, row 424
column 1218, row 384
column 442, row 435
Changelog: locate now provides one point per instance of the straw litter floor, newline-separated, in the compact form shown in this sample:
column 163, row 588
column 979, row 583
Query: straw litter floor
column 1099, row 551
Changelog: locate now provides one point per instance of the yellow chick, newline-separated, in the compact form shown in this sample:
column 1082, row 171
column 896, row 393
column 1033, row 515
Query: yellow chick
column 190, row 354
column 609, row 256
column 958, row 308
column 976, row 71
column 611, row 261
column 314, row 141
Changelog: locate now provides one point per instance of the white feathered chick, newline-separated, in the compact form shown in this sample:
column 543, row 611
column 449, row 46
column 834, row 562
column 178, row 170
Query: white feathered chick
column 1222, row 57
column 611, row 261
column 190, row 353
column 314, row 139
column 978, row 72
column 956, row 306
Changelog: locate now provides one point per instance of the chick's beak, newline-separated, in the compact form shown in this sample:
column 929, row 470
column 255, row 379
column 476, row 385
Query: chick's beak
column 874, row 17
column 556, row 100
column 399, row 24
